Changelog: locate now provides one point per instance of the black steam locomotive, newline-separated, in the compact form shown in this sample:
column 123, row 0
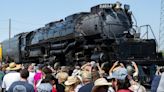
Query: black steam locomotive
column 105, row 33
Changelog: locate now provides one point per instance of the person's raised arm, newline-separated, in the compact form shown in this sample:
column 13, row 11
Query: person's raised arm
column 101, row 71
column 136, row 71
column 114, row 65
column 85, row 68
column 158, row 71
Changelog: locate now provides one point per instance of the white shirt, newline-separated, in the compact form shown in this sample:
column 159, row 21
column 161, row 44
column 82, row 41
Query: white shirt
column 78, row 87
column 161, row 84
column 31, row 78
column 110, row 89
column 9, row 79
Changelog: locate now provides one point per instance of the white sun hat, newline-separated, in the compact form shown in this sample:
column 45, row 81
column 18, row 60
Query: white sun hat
column 70, row 80
column 102, row 82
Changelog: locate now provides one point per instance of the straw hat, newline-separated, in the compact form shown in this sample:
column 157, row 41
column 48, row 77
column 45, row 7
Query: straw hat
column 14, row 66
column 71, row 80
column 102, row 82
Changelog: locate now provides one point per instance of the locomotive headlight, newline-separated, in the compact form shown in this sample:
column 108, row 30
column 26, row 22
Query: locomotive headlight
column 126, row 7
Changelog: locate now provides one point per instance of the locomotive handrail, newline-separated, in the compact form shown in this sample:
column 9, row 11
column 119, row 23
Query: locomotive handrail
column 148, row 27
column 134, row 18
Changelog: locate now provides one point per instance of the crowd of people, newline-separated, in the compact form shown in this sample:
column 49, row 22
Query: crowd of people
column 89, row 77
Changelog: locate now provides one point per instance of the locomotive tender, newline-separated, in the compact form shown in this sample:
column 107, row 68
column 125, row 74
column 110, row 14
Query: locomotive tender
column 105, row 33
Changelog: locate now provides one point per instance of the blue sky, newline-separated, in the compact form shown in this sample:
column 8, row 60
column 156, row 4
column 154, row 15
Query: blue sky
column 27, row 15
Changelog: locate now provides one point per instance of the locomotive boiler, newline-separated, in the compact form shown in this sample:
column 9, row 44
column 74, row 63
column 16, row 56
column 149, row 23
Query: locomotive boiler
column 105, row 33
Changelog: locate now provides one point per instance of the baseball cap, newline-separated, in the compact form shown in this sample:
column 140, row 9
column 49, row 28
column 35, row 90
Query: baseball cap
column 120, row 74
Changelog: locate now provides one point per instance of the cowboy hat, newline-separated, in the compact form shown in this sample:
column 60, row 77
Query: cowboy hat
column 71, row 80
column 102, row 82
column 13, row 66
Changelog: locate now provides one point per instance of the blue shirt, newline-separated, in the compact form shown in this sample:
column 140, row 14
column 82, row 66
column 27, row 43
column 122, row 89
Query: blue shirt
column 86, row 88
column 155, row 83
column 29, row 87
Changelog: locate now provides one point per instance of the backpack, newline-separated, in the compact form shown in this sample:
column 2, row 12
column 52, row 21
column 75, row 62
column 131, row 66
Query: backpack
column 19, row 88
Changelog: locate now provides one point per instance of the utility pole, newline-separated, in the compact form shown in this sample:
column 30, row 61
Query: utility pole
column 161, row 27
column 9, row 32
